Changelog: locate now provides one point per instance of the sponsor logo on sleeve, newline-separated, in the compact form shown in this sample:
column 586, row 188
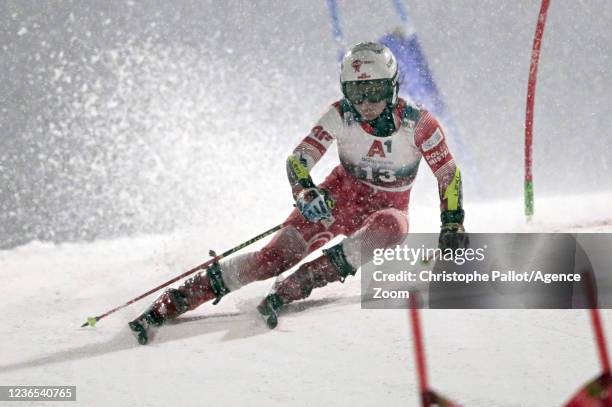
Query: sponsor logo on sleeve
column 437, row 156
column 320, row 134
column 433, row 141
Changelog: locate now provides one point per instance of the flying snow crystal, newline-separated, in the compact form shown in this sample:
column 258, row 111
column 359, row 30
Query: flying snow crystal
column 22, row 31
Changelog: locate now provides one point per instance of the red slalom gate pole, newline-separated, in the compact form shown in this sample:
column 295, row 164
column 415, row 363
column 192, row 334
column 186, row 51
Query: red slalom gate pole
column 600, row 338
column 597, row 392
column 419, row 350
column 91, row 321
column 531, row 88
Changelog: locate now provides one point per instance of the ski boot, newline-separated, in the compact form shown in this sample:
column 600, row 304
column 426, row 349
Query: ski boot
column 269, row 308
column 141, row 326
column 168, row 306
column 174, row 302
column 330, row 267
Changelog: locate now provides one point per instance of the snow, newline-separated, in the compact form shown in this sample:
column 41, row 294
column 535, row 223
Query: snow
column 326, row 349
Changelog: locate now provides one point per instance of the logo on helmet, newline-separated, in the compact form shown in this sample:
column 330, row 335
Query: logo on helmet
column 356, row 64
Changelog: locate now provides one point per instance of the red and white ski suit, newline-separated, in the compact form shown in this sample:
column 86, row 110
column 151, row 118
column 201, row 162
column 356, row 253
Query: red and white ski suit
column 371, row 187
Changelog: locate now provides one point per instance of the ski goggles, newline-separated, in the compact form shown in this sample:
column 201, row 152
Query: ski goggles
column 372, row 91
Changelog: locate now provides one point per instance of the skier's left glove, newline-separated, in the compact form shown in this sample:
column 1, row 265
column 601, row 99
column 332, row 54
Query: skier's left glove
column 452, row 234
column 315, row 204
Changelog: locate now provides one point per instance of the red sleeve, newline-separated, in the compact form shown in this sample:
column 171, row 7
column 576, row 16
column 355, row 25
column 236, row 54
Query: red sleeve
column 429, row 138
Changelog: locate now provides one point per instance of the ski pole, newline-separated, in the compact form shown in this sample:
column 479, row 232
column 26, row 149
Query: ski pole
column 91, row 321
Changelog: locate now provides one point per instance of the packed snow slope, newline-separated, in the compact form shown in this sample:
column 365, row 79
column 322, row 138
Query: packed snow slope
column 326, row 350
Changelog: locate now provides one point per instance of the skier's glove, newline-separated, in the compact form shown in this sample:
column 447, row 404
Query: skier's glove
column 452, row 234
column 315, row 204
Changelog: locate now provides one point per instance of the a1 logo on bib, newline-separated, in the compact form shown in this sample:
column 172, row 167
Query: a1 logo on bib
column 377, row 149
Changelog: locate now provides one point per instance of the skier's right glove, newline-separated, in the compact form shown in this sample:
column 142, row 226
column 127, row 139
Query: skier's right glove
column 315, row 204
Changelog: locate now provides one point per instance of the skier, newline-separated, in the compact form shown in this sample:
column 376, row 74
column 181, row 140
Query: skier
column 381, row 140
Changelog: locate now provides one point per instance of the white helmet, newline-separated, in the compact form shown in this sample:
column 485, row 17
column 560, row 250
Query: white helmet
column 369, row 72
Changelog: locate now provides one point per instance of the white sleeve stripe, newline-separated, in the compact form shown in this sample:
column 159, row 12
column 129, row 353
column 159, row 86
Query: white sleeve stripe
column 447, row 168
column 309, row 150
column 425, row 120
